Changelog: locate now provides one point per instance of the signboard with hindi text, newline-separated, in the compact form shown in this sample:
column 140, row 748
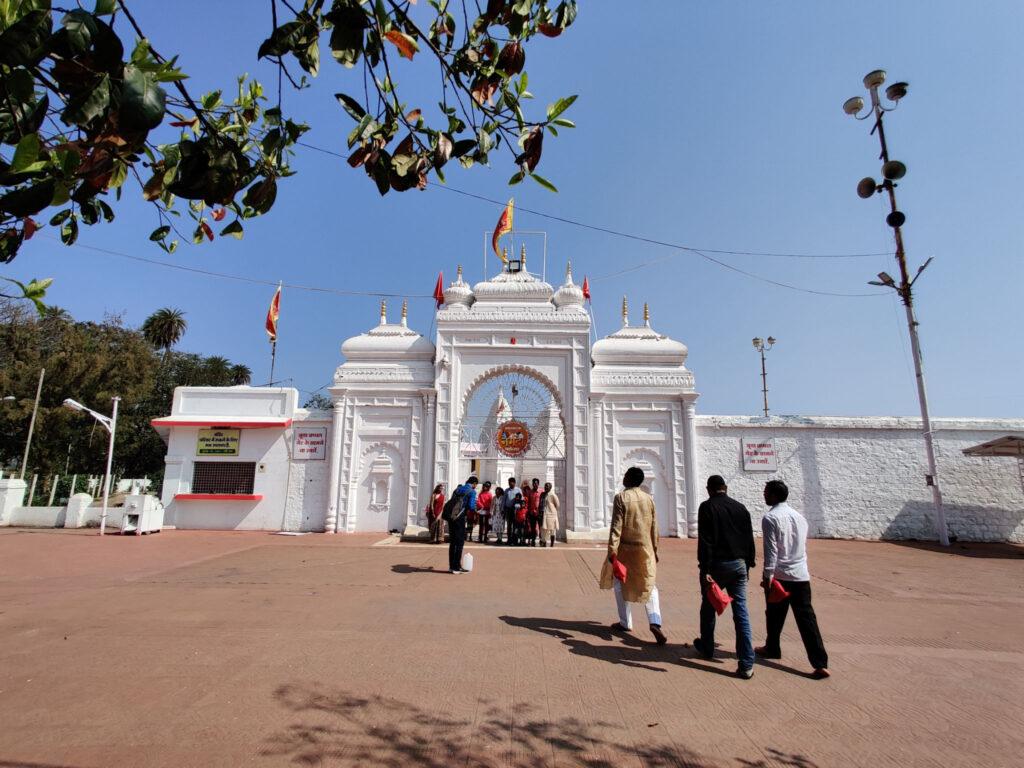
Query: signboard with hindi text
column 310, row 444
column 218, row 442
column 759, row 454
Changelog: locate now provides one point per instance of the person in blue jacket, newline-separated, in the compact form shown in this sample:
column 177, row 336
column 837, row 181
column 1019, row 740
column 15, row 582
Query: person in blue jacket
column 457, row 526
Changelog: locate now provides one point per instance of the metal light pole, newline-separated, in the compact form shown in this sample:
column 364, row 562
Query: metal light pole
column 110, row 424
column 32, row 424
column 893, row 171
column 763, row 347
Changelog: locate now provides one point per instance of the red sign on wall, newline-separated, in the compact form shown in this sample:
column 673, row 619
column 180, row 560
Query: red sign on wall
column 512, row 438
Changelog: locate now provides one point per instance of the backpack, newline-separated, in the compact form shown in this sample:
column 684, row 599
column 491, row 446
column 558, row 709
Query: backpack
column 448, row 512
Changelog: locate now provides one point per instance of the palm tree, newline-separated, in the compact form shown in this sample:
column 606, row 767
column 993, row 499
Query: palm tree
column 216, row 370
column 239, row 374
column 164, row 328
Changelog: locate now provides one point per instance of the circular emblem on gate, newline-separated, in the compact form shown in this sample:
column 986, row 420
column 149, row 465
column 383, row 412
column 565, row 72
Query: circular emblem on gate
column 512, row 438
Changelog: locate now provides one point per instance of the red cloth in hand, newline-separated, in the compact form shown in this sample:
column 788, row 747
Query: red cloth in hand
column 618, row 569
column 776, row 592
column 718, row 598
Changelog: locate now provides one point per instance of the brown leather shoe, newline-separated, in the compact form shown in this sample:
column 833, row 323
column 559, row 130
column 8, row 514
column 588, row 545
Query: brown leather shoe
column 658, row 634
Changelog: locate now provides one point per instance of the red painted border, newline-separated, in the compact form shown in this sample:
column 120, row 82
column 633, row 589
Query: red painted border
column 219, row 496
column 282, row 423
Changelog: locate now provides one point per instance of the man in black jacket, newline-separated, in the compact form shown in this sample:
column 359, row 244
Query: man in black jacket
column 725, row 554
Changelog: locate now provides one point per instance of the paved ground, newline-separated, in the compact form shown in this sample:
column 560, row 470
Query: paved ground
column 222, row 649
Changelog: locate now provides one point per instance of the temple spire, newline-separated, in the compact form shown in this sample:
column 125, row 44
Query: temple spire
column 625, row 313
column 647, row 316
column 383, row 311
column 404, row 312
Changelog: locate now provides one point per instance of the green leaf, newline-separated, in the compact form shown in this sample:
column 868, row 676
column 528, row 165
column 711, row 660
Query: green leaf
column 544, row 182
column 234, row 229
column 85, row 106
column 105, row 7
column 554, row 110
column 351, row 106
column 27, row 201
column 33, row 292
column 561, row 121
column 516, row 178
column 26, row 153
column 60, row 217
column 142, row 100
column 282, row 40
column 69, row 231
column 212, row 100
column 108, row 212
column 160, row 233
column 23, row 44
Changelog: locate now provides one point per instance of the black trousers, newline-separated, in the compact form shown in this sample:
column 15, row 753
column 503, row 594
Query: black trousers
column 456, row 541
column 800, row 601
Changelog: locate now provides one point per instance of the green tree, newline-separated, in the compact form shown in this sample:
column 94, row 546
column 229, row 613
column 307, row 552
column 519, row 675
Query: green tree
column 84, row 110
column 239, row 374
column 319, row 401
column 164, row 328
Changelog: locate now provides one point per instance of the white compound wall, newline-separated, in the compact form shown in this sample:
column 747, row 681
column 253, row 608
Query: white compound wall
column 863, row 478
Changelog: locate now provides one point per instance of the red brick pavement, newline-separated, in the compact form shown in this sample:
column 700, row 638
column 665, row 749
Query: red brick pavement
column 223, row 648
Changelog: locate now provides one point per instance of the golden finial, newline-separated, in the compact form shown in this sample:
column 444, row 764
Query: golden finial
column 522, row 255
column 458, row 278
column 625, row 315
column 568, row 271
column 405, row 312
column 383, row 310
column 647, row 316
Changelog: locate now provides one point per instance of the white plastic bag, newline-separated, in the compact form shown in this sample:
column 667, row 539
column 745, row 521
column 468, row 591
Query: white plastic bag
column 467, row 561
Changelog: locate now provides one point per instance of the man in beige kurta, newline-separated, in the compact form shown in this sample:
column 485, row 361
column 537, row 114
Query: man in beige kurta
column 549, row 515
column 633, row 539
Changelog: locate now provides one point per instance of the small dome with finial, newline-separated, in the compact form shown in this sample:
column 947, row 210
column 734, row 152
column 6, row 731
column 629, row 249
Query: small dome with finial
column 569, row 295
column 388, row 341
column 458, row 295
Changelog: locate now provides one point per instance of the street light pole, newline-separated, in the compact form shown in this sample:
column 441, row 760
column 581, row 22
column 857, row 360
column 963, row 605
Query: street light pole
column 32, row 425
column 110, row 424
column 892, row 171
column 761, row 347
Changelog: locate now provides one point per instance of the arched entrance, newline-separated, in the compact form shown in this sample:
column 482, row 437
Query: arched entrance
column 512, row 426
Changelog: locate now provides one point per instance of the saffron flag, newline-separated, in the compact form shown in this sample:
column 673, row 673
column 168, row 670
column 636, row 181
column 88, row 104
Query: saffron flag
column 504, row 225
column 272, row 313
column 586, row 288
column 439, row 289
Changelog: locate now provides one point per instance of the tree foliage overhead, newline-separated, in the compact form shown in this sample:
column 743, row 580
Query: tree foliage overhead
column 88, row 103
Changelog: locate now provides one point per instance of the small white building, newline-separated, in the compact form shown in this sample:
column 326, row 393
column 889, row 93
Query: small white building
column 512, row 385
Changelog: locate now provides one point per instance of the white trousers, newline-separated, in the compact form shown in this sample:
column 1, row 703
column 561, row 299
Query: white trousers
column 653, row 607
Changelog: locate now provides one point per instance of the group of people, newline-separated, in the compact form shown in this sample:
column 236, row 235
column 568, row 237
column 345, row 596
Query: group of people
column 725, row 555
column 517, row 515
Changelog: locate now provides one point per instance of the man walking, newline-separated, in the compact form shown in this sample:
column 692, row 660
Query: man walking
column 785, row 560
column 532, row 496
column 465, row 500
column 633, row 539
column 725, row 554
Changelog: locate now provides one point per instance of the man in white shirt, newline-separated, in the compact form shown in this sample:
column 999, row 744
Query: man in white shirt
column 785, row 559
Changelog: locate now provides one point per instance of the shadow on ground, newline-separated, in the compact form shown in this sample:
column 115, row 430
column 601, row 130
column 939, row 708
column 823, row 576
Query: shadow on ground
column 334, row 726
column 989, row 550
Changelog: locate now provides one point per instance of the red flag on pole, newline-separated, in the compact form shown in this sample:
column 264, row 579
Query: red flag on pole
column 439, row 289
column 504, row 225
column 272, row 313
column 586, row 288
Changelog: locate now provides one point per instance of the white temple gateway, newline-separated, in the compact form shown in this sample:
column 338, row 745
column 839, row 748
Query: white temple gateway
column 513, row 386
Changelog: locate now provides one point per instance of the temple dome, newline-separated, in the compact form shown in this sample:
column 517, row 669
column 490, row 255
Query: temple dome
column 638, row 345
column 458, row 294
column 388, row 342
column 518, row 286
column 568, row 295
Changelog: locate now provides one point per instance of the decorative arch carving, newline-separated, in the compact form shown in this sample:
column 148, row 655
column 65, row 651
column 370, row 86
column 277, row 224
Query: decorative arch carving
column 512, row 368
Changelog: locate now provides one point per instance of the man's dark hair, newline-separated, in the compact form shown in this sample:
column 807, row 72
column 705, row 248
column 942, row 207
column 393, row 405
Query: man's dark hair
column 487, row 484
column 716, row 483
column 472, row 480
column 778, row 489
column 634, row 477
column 511, row 479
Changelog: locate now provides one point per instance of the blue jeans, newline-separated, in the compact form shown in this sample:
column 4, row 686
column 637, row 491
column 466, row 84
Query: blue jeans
column 732, row 577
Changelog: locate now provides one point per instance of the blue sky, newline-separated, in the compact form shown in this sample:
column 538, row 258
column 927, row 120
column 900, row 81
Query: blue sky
column 710, row 126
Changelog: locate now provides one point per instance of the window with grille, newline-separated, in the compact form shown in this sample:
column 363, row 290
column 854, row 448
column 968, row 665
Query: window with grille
column 223, row 477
